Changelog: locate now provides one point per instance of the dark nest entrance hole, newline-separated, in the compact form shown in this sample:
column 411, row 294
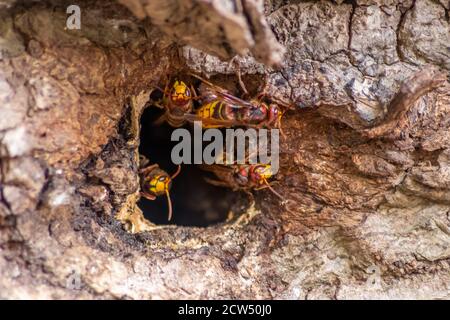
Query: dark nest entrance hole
column 195, row 202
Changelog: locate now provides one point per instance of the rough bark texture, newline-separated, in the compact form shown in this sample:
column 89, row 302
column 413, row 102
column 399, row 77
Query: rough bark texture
column 366, row 162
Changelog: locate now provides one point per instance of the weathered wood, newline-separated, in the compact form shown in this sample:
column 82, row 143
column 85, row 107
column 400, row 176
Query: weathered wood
column 365, row 163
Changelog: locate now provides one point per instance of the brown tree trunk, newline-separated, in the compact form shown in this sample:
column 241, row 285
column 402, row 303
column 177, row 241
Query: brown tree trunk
column 365, row 165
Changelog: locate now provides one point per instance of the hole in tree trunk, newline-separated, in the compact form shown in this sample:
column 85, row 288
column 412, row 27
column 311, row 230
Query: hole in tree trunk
column 195, row 202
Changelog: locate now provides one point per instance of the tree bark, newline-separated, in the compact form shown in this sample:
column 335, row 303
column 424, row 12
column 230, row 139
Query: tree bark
column 365, row 165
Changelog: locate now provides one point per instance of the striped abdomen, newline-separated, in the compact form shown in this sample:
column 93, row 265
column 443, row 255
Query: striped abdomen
column 217, row 110
column 175, row 121
column 175, row 114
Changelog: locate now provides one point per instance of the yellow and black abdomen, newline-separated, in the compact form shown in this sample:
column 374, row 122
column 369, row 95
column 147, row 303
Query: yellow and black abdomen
column 214, row 110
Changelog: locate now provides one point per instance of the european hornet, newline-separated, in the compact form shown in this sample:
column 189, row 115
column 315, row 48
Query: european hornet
column 222, row 109
column 177, row 102
column 243, row 177
column 156, row 182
